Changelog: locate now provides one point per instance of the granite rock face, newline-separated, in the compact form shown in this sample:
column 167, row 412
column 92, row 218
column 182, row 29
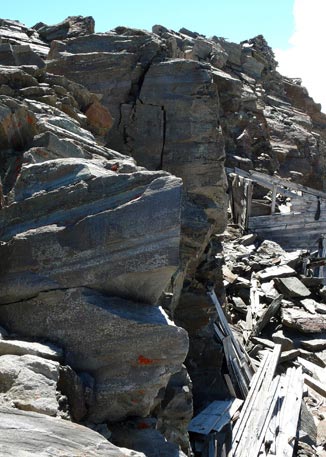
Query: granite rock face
column 164, row 95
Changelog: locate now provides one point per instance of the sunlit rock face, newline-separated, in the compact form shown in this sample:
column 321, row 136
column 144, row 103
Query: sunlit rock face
column 89, row 242
column 131, row 349
column 92, row 239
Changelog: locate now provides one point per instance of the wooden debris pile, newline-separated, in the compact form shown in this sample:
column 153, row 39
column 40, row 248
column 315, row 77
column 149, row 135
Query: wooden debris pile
column 276, row 303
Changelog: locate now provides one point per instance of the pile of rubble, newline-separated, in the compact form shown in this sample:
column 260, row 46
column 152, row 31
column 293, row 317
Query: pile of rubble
column 276, row 299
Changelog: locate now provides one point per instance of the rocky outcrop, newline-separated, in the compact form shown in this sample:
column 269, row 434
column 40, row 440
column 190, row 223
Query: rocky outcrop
column 89, row 243
column 92, row 243
column 110, row 338
column 71, row 27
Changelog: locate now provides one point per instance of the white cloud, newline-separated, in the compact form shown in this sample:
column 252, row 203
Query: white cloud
column 306, row 58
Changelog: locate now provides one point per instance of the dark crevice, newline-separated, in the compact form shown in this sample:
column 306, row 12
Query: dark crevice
column 163, row 138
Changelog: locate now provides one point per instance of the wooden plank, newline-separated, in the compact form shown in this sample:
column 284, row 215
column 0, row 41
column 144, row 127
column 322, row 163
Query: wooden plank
column 269, row 181
column 291, row 391
column 274, row 192
column 316, row 371
column 218, row 332
column 215, row 416
column 225, row 419
column 212, row 446
column 261, row 380
column 314, row 384
column 238, row 361
column 260, row 418
column 229, row 384
column 322, row 253
column 265, row 342
column 249, row 191
column 290, row 222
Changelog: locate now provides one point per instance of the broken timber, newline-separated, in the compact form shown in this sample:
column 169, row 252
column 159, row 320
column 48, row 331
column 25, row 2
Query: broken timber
column 209, row 424
column 267, row 425
column 239, row 364
column 302, row 225
column 259, row 315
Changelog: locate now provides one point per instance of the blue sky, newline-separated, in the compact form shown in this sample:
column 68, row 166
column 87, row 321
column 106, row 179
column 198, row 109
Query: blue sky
column 236, row 20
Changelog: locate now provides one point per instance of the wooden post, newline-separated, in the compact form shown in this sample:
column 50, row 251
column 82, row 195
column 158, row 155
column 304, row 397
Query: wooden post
column 249, row 191
column 273, row 199
column 321, row 273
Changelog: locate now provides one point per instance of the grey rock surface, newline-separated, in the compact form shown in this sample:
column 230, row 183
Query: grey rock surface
column 72, row 26
column 148, row 441
column 303, row 321
column 30, row 434
column 90, row 236
column 17, row 347
column 130, row 348
column 29, row 383
column 292, row 287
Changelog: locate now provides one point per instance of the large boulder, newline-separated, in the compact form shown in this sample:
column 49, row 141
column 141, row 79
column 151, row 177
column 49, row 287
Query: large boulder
column 72, row 223
column 130, row 348
column 72, row 26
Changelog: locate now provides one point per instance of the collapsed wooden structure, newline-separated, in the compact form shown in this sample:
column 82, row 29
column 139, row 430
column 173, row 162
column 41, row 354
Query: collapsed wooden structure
column 270, row 398
column 290, row 214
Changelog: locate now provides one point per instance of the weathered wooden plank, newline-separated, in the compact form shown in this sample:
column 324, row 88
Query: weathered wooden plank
column 316, row 371
column 265, row 342
column 273, row 204
column 215, row 416
column 261, row 381
column 282, row 220
column 249, row 191
column 260, row 418
column 238, row 361
column 269, row 181
column 230, row 385
column 314, row 384
column 289, row 225
column 291, row 391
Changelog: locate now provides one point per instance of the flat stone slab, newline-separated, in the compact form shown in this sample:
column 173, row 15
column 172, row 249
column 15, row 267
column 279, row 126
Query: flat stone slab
column 16, row 347
column 278, row 271
column 309, row 305
column 291, row 287
column 285, row 342
column 303, row 321
column 314, row 345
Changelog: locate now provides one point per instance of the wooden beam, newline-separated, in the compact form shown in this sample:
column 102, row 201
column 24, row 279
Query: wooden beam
column 261, row 383
column 274, row 192
column 269, row 181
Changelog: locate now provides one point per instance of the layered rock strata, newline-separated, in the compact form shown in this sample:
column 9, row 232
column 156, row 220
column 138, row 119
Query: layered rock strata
column 85, row 232
column 89, row 241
